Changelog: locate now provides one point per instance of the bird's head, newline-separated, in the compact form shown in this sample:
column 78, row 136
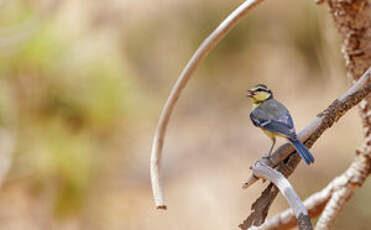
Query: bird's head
column 260, row 93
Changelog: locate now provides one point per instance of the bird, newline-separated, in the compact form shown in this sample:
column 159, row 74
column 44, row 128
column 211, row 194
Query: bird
column 274, row 120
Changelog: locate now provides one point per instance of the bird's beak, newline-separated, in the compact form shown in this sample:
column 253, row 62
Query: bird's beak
column 250, row 93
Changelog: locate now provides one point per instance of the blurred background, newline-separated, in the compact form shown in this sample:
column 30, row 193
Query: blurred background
column 82, row 84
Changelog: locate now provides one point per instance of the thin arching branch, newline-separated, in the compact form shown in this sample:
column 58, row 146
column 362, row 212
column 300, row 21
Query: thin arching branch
column 207, row 45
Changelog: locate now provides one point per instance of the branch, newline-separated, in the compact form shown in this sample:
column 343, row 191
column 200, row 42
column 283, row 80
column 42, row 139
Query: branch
column 309, row 135
column 353, row 178
column 207, row 45
column 263, row 171
column 346, row 183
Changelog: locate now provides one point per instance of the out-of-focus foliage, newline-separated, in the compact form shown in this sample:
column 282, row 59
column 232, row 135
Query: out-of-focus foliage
column 82, row 84
column 70, row 92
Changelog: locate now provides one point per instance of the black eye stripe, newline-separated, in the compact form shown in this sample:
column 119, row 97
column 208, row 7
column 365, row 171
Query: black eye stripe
column 261, row 85
column 261, row 90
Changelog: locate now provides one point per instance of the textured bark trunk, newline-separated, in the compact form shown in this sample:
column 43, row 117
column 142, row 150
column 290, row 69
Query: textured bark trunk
column 353, row 20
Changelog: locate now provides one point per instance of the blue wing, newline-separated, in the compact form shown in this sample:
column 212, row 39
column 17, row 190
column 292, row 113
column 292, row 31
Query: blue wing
column 278, row 120
column 282, row 125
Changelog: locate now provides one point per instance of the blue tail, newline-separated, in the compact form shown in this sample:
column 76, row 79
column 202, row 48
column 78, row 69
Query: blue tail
column 303, row 151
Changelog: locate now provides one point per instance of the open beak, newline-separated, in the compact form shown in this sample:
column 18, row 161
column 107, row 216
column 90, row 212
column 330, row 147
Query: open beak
column 250, row 93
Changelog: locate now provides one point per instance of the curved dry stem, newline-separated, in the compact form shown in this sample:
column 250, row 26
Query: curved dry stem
column 207, row 45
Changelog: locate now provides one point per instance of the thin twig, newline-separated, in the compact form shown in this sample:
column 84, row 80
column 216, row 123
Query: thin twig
column 263, row 171
column 353, row 178
column 207, row 45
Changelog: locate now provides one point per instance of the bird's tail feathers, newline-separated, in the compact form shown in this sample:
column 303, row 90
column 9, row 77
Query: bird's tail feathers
column 303, row 151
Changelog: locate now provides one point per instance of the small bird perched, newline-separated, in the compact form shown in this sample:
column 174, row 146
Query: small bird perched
column 275, row 120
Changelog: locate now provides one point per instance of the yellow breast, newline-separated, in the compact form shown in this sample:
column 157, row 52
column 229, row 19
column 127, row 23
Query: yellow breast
column 272, row 135
column 268, row 133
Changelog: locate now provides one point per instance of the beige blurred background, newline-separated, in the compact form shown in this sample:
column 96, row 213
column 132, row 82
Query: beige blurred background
column 82, row 84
